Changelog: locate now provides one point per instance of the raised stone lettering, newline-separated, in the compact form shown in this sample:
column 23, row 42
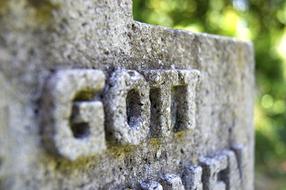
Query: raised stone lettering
column 220, row 172
column 185, row 99
column 213, row 172
column 232, row 176
column 242, row 161
column 161, row 82
column 127, row 105
column 118, row 101
column 126, row 102
column 73, row 116
column 192, row 178
column 172, row 182
column 172, row 95
column 150, row 185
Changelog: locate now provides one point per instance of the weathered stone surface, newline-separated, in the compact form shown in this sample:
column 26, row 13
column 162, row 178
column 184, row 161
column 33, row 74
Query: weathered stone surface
column 172, row 181
column 192, row 178
column 170, row 111
column 73, row 123
column 127, row 107
column 213, row 169
column 40, row 39
column 151, row 185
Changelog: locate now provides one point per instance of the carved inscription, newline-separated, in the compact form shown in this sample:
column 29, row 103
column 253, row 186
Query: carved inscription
column 74, row 125
column 128, row 107
column 151, row 185
column 138, row 105
column 192, row 178
column 219, row 172
column 213, row 169
column 232, row 176
column 172, row 181
column 172, row 95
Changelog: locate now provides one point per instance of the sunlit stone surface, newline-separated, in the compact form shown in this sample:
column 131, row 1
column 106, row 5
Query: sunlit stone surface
column 91, row 99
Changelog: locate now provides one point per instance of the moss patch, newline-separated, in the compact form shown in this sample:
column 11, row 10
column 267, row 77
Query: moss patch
column 44, row 10
column 155, row 143
column 3, row 5
column 86, row 94
column 120, row 151
column 180, row 135
column 81, row 163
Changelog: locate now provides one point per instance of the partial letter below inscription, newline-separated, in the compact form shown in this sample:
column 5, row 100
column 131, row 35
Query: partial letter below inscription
column 218, row 172
column 172, row 182
column 192, row 178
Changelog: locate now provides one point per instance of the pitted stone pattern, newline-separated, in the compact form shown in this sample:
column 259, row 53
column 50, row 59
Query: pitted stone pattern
column 185, row 105
column 150, row 185
column 170, row 111
column 213, row 169
column 161, row 83
column 217, row 172
column 192, row 178
column 41, row 38
column 70, row 101
column 128, row 107
column 126, row 103
column 172, row 182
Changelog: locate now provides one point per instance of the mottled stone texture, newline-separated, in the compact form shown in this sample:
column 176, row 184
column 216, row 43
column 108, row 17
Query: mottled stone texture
column 38, row 38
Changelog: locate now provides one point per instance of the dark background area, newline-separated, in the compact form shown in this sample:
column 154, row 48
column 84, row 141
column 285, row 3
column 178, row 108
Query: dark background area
column 264, row 23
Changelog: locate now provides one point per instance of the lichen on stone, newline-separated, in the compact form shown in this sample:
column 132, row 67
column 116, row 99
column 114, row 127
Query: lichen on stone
column 44, row 9
column 3, row 5
column 86, row 94
column 118, row 151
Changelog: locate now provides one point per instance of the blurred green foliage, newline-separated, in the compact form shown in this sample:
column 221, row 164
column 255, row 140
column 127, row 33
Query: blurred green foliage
column 264, row 23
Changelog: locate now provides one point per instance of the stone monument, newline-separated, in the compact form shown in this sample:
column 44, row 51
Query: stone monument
column 91, row 99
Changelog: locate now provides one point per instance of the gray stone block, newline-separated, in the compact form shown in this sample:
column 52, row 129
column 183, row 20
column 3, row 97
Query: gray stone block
column 91, row 99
